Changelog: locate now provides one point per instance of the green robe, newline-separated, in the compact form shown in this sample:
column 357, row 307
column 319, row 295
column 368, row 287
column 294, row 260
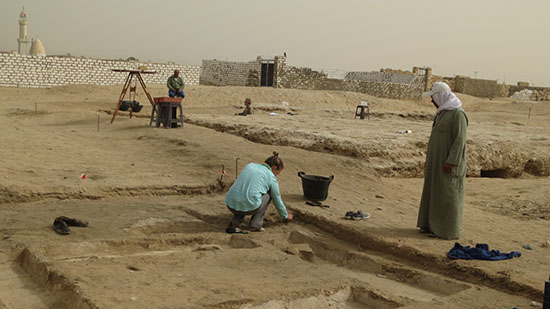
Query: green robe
column 174, row 83
column 443, row 194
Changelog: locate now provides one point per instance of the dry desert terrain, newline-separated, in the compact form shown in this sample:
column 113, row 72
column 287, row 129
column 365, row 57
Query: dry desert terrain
column 156, row 214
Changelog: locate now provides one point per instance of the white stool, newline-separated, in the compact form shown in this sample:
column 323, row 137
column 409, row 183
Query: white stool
column 360, row 110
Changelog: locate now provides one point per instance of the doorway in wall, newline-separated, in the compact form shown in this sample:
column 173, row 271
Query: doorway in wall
column 268, row 70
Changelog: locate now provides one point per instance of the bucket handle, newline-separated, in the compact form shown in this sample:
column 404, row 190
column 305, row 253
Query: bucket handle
column 300, row 174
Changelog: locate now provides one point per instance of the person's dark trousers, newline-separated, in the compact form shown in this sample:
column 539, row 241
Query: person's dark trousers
column 173, row 94
column 257, row 219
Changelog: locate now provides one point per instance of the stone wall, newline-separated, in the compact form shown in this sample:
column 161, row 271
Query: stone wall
column 379, row 84
column 280, row 65
column 230, row 73
column 47, row 71
column 411, row 91
column 381, row 77
column 480, row 88
column 448, row 80
column 489, row 88
column 399, row 71
column 306, row 78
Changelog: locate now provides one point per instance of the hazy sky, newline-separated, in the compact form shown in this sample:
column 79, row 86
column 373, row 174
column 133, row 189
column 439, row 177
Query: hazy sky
column 500, row 39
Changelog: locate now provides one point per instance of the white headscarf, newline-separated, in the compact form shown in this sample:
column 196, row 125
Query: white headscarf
column 446, row 101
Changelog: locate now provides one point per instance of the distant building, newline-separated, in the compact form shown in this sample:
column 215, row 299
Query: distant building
column 37, row 48
column 23, row 48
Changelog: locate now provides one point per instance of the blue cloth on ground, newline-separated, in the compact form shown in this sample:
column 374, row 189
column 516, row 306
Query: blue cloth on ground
column 480, row 252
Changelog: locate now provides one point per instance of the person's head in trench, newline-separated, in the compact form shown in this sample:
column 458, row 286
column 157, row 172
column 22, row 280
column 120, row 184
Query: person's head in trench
column 253, row 191
column 247, row 108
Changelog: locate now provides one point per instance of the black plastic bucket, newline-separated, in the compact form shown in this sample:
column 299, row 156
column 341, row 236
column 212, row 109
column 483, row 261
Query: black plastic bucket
column 315, row 187
column 136, row 107
column 124, row 105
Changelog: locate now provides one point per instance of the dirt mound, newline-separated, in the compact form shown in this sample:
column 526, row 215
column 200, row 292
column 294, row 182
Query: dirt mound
column 390, row 153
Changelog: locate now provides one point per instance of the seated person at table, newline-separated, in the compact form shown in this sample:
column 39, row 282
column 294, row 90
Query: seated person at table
column 175, row 85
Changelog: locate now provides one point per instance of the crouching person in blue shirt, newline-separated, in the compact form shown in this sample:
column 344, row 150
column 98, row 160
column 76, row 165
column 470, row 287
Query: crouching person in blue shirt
column 252, row 192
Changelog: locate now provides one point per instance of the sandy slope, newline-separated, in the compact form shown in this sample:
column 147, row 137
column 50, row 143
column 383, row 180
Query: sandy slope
column 157, row 216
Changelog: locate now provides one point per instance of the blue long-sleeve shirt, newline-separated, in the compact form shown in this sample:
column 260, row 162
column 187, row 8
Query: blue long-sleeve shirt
column 254, row 181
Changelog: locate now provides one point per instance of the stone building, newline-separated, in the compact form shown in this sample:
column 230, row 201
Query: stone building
column 274, row 72
column 37, row 48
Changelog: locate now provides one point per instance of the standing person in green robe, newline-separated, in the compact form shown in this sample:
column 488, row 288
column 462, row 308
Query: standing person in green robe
column 442, row 201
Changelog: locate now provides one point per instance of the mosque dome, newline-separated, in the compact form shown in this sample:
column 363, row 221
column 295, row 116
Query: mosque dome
column 37, row 48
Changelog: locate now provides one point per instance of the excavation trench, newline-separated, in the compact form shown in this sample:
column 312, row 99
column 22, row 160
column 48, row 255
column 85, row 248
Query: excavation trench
column 64, row 290
column 366, row 272
column 8, row 196
column 348, row 297
column 389, row 155
column 371, row 281
column 437, row 264
column 370, row 268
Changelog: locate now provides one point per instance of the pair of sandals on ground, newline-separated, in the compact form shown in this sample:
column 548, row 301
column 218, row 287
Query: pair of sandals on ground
column 237, row 230
column 61, row 224
column 356, row 215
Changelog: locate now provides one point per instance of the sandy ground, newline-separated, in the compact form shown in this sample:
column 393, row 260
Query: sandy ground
column 156, row 235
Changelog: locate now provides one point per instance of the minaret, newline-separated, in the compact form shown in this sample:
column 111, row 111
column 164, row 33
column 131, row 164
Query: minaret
column 22, row 40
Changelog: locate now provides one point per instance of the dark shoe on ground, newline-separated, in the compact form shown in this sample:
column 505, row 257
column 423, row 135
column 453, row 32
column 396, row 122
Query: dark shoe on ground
column 73, row 221
column 359, row 215
column 349, row 215
column 254, row 229
column 60, row 227
column 235, row 230
column 313, row 203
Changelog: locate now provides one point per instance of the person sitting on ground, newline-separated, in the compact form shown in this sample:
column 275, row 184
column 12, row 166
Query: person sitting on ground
column 247, row 108
column 175, row 85
column 252, row 192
